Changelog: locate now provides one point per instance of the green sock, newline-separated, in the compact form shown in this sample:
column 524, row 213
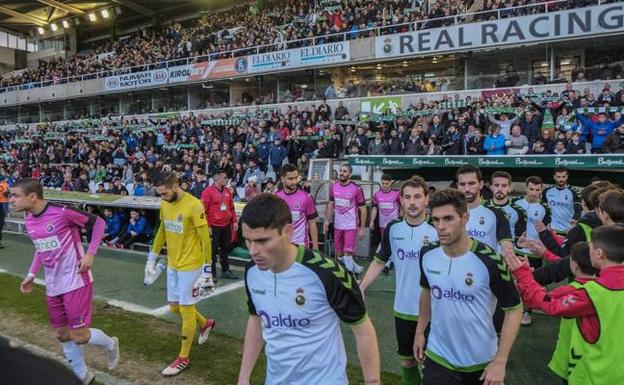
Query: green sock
column 411, row 376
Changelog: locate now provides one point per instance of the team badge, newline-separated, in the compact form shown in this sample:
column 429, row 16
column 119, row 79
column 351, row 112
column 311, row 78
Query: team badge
column 481, row 220
column 425, row 240
column 180, row 218
column 50, row 228
column 300, row 299
column 469, row 279
column 297, row 205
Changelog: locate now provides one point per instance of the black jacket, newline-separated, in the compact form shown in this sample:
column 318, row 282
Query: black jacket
column 560, row 270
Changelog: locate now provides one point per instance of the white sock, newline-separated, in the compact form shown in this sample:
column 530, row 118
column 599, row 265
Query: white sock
column 75, row 355
column 99, row 338
column 348, row 262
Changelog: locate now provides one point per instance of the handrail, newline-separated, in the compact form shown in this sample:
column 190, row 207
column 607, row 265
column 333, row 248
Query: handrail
column 336, row 37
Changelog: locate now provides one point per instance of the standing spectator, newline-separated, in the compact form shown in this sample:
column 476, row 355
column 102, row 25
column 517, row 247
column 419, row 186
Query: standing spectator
column 221, row 215
column 251, row 189
column 377, row 146
column 517, row 144
column 341, row 112
column 82, row 184
column 614, row 143
column 599, row 130
column 451, row 143
column 504, row 123
column 277, row 154
column 414, row 145
column 549, row 143
column 560, row 148
column 149, row 190
column 68, row 184
column 475, row 144
column 252, row 171
column 576, row 145
column 494, row 143
column 199, row 184
column 530, row 125
column 395, row 144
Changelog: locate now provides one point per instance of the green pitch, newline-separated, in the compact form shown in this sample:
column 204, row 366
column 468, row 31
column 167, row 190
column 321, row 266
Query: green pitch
column 119, row 276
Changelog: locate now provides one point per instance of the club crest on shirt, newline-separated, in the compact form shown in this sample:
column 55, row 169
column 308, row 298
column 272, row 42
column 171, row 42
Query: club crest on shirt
column 300, row 299
column 426, row 240
column 481, row 220
column 469, row 279
column 50, row 228
column 180, row 218
column 297, row 205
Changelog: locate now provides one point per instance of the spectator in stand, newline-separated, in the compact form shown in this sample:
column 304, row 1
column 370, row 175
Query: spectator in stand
column 599, row 130
column 395, row 144
column 139, row 188
column 547, row 140
column 113, row 224
column 475, row 144
column 277, row 154
column 504, row 123
column 118, row 188
column 614, row 143
column 415, row 142
column 199, row 184
column 494, row 144
column 252, row 172
column 560, row 148
column 377, row 146
column 149, row 190
column 451, row 142
column 576, row 145
column 517, row 144
column 251, row 189
column 68, row 184
column 137, row 230
column 538, row 148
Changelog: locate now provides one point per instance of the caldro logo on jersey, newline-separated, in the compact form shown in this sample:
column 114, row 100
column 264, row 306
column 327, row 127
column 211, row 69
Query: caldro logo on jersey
column 174, row 227
column 409, row 254
column 473, row 233
column 450, row 294
column 282, row 321
column 47, row 244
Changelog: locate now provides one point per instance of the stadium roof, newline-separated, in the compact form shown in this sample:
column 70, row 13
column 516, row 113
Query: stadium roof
column 24, row 16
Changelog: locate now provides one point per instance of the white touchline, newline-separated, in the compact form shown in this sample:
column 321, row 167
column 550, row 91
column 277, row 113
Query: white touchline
column 135, row 308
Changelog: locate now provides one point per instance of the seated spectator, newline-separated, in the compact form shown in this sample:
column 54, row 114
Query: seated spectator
column 148, row 188
column 118, row 188
column 113, row 224
column 139, row 189
column 538, row 148
column 82, row 184
column 68, row 184
column 138, row 230
column 251, row 189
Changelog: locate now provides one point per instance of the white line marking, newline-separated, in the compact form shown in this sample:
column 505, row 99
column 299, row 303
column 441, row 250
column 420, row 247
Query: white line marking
column 224, row 289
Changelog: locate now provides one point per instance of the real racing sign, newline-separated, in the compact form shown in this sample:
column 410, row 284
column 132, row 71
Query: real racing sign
column 136, row 80
column 603, row 19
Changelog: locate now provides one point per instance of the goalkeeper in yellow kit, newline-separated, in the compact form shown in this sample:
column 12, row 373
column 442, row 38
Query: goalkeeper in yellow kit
column 184, row 229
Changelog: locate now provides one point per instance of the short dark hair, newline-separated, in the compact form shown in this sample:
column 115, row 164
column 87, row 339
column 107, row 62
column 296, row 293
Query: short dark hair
column 534, row 179
column 561, row 169
column 594, row 197
column 580, row 254
column 468, row 169
column 415, row 182
column 221, row 171
column 611, row 240
column 612, row 203
column 288, row 168
column 501, row 174
column 588, row 190
column 449, row 196
column 167, row 179
column 387, row 177
column 30, row 186
column 267, row 211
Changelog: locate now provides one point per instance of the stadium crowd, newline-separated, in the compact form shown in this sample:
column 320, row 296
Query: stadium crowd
column 282, row 23
column 110, row 154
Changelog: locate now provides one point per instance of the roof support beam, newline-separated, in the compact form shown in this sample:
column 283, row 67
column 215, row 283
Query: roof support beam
column 23, row 16
column 62, row 7
column 136, row 7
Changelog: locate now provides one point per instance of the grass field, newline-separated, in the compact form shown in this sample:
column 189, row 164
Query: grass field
column 149, row 343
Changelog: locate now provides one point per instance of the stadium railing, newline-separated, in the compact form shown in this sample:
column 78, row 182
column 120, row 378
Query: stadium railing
column 336, row 37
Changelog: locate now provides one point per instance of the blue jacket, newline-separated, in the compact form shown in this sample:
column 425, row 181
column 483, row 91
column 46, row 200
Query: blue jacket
column 141, row 226
column 263, row 151
column 590, row 126
column 277, row 154
column 139, row 190
column 498, row 143
column 113, row 225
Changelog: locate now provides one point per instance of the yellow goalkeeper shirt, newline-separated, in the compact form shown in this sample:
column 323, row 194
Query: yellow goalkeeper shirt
column 181, row 221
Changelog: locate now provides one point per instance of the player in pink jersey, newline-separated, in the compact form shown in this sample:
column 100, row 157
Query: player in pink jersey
column 302, row 208
column 346, row 199
column 387, row 203
column 55, row 232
